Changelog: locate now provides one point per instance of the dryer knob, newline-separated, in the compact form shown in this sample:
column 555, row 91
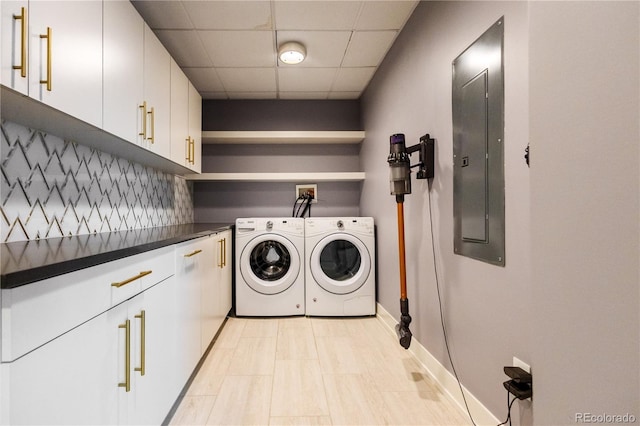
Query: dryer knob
column 297, row 306
column 315, row 300
column 340, row 224
column 269, row 225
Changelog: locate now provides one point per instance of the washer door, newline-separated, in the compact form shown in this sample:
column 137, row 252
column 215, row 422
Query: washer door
column 270, row 264
column 340, row 263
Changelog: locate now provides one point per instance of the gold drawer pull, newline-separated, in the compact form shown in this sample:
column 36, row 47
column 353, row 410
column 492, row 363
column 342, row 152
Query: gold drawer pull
column 127, row 356
column 193, row 253
column 143, row 107
column 127, row 281
column 152, row 113
column 23, row 42
column 142, row 317
column 48, row 80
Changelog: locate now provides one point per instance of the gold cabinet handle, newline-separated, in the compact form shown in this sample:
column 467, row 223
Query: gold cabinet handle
column 220, row 254
column 128, row 280
column 127, row 356
column 23, row 42
column 153, row 125
column 142, row 317
column 48, row 80
column 192, row 151
column 144, row 120
column 188, row 157
column 193, row 253
column 224, row 251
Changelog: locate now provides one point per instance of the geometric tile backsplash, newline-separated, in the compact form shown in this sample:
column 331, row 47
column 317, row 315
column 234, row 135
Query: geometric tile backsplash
column 54, row 188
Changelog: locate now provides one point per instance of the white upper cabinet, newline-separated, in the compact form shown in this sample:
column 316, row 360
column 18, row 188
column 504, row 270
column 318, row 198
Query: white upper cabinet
column 65, row 57
column 180, row 146
column 14, row 38
column 186, row 121
column 123, row 71
column 157, row 95
column 195, row 128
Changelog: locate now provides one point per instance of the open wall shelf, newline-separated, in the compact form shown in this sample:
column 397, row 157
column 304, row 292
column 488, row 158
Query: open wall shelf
column 279, row 177
column 283, row 137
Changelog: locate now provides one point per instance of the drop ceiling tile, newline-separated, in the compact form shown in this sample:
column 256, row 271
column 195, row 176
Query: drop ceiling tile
column 385, row 15
column 163, row 14
column 230, row 15
column 252, row 95
column 239, row 48
column 204, row 79
column 303, row 95
column 367, row 48
column 248, row 79
column 305, row 79
column 324, row 48
column 316, row 15
column 353, row 79
column 188, row 50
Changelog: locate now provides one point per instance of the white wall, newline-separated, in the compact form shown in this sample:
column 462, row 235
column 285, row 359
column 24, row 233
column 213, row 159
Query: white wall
column 487, row 308
column 584, row 93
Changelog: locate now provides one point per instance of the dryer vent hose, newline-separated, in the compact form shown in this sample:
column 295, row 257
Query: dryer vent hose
column 402, row 329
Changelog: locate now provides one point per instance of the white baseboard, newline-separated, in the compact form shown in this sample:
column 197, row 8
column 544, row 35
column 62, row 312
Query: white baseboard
column 446, row 380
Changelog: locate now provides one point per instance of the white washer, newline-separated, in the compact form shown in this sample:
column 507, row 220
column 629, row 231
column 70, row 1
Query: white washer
column 340, row 268
column 269, row 266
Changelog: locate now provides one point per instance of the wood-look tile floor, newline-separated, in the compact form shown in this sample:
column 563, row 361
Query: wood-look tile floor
column 312, row 371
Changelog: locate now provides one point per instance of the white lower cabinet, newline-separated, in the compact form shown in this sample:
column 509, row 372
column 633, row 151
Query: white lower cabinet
column 71, row 380
column 154, row 315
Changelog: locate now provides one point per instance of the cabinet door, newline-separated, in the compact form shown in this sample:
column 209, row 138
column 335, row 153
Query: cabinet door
column 225, row 274
column 14, row 44
column 189, row 288
column 157, row 94
column 72, row 379
column 155, row 382
column 69, row 58
column 195, row 128
column 210, row 294
column 123, row 50
column 180, row 145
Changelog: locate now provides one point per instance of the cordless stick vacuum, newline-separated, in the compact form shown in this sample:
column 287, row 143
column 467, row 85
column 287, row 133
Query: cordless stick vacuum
column 400, row 179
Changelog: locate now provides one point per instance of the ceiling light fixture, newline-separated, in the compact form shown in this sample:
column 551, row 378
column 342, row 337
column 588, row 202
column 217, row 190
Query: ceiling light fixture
column 292, row 52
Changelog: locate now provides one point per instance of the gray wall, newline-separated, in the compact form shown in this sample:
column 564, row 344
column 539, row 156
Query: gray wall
column 227, row 201
column 487, row 309
column 567, row 300
column 584, row 115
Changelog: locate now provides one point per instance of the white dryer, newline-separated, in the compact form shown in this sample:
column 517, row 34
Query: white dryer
column 269, row 266
column 340, row 268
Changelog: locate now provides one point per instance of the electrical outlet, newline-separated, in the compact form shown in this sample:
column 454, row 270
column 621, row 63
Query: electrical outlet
column 309, row 188
column 519, row 363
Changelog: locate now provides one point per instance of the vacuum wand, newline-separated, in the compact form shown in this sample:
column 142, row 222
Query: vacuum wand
column 400, row 179
column 402, row 328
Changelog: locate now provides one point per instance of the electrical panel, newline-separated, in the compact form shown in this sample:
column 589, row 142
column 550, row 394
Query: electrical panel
column 478, row 148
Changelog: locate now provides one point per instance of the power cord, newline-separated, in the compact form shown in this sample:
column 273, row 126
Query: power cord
column 303, row 200
column 444, row 331
column 509, row 404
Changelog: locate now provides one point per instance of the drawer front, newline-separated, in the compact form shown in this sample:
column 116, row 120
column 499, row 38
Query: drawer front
column 34, row 314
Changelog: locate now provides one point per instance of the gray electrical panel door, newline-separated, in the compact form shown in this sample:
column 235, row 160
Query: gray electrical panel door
column 478, row 154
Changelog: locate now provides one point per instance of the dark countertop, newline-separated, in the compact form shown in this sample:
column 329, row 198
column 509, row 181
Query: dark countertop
column 25, row 262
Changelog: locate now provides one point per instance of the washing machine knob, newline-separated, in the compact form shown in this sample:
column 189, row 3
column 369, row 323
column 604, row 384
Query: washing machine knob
column 269, row 225
column 340, row 224
column 297, row 306
column 315, row 299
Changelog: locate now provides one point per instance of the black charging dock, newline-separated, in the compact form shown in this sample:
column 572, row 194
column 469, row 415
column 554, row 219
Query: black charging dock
column 521, row 383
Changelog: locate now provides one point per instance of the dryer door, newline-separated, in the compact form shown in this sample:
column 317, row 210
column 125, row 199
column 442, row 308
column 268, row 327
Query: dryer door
column 270, row 264
column 340, row 263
